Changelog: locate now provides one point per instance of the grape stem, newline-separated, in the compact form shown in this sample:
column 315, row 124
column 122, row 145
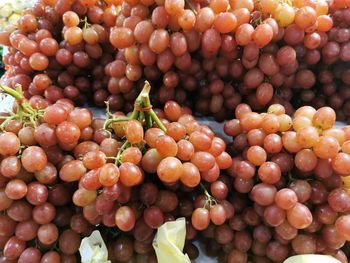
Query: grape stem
column 25, row 112
column 122, row 148
column 210, row 201
column 142, row 104
column 191, row 6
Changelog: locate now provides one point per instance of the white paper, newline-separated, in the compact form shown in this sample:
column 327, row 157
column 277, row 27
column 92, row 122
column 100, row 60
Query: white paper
column 93, row 249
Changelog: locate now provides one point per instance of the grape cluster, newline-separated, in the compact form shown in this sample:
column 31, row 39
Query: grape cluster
column 126, row 176
column 209, row 55
column 331, row 87
column 292, row 178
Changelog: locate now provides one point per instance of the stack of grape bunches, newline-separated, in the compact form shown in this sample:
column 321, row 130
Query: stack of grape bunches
column 281, row 188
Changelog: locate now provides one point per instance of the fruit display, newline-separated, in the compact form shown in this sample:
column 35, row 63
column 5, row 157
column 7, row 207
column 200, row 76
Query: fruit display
column 274, row 71
column 293, row 179
column 208, row 55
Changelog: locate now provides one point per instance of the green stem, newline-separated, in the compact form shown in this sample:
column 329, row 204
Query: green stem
column 191, row 6
column 205, row 190
column 12, row 92
column 118, row 119
column 148, row 118
column 157, row 120
column 2, row 126
column 122, row 148
column 209, row 199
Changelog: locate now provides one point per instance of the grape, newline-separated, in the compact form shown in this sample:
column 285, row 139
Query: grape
column 200, row 218
column 47, row 234
column 263, row 194
column 299, row 216
column 30, row 254
column 130, row 174
column 12, row 144
column 274, row 215
column 170, row 170
column 286, row 198
column 16, row 189
column 69, row 242
column 14, row 248
column 108, row 175
column 33, row 159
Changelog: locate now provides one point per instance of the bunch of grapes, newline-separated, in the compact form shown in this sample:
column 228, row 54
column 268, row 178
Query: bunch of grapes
column 331, row 87
column 292, row 178
column 126, row 175
column 218, row 53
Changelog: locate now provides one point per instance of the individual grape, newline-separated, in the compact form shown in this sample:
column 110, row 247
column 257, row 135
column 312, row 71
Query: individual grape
column 263, row 194
column 308, row 137
column 286, row 231
column 340, row 163
column 10, row 143
column 83, row 197
column 250, row 120
column 205, row 19
column 286, row 198
column 200, row 218
column 130, row 174
column 244, row 34
column 324, row 118
column 170, row 170
column 67, row 132
column 191, row 176
column 337, row 200
column 269, row 172
column 153, row 217
column 324, row 23
column 134, row 131
column 47, row 234
column 305, row 160
column 225, row 22
column 200, row 141
column 166, row 146
column 342, row 226
column 10, row 166
column 30, row 254
column 187, row 20
column 43, row 214
column 151, row 160
column 69, row 242
column 302, row 189
column 262, row 35
column 7, row 226
column 256, row 155
column 159, row 41
column 331, row 237
column 125, row 218
column 299, row 216
column 26, row 230
column 14, row 248
column 16, row 189
column 123, row 249
column 174, row 8
column 284, row 14
column 72, row 171
column 273, row 143
column 264, row 93
column 203, row 160
column 70, row 19
column 33, row 159
column 305, row 17
column 121, row 37
column 274, row 215
column 270, row 123
column 108, row 175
